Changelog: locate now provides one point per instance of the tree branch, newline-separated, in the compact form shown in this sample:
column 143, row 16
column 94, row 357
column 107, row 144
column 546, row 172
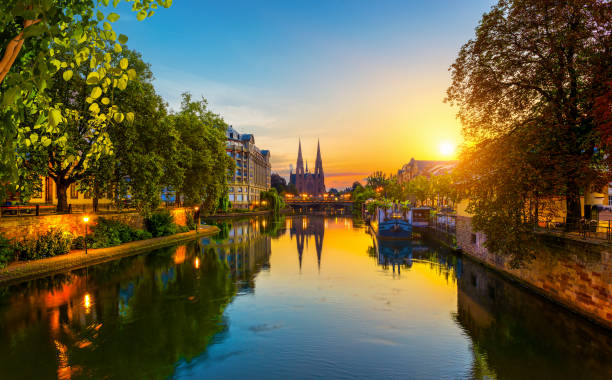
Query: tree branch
column 12, row 50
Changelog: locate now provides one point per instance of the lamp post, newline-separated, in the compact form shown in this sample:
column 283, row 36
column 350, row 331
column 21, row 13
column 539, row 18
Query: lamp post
column 85, row 220
column 197, row 217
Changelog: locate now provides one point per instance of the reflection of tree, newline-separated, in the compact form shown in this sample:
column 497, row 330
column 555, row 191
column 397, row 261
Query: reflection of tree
column 510, row 328
column 144, row 314
column 398, row 254
column 303, row 228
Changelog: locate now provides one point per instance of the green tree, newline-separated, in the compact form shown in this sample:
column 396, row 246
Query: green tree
column 531, row 75
column 274, row 201
column 201, row 155
column 376, row 180
column 65, row 132
column 146, row 150
column 34, row 37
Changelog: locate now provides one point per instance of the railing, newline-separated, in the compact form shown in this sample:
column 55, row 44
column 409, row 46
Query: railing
column 444, row 223
column 49, row 209
column 585, row 229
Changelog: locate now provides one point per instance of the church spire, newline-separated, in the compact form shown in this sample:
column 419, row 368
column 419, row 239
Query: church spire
column 299, row 169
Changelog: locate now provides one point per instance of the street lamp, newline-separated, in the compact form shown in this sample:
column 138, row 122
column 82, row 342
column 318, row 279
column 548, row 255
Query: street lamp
column 197, row 217
column 85, row 220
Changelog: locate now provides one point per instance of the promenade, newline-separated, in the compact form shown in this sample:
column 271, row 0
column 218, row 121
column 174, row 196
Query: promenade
column 20, row 271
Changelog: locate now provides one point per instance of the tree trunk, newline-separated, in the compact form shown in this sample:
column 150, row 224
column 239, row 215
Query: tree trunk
column 61, row 192
column 572, row 199
column 94, row 201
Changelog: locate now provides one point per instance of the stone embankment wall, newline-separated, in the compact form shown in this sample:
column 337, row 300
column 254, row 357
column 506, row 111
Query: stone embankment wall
column 24, row 227
column 573, row 273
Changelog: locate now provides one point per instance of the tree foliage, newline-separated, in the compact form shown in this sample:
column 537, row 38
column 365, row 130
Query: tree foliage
column 41, row 43
column 525, row 87
column 201, row 157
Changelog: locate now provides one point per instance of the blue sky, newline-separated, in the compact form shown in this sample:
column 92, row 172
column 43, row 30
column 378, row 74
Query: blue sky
column 366, row 77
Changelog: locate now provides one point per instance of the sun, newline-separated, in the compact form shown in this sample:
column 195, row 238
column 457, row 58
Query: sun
column 447, row 148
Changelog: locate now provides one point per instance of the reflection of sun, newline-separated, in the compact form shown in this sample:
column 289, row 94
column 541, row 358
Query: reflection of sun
column 447, row 148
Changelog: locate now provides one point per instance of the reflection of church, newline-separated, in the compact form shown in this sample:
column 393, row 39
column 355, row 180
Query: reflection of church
column 305, row 227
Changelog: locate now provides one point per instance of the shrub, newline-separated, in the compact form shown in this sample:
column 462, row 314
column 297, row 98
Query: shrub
column 54, row 242
column 79, row 242
column 190, row 220
column 141, row 235
column 7, row 251
column 161, row 223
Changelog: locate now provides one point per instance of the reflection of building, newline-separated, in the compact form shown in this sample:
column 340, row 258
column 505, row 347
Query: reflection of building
column 246, row 250
column 252, row 174
column 416, row 168
column 305, row 182
column 305, row 227
column 509, row 325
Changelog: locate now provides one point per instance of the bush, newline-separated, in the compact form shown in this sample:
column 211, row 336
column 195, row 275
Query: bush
column 109, row 233
column 54, row 242
column 7, row 251
column 79, row 242
column 161, row 223
column 190, row 220
column 141, row 235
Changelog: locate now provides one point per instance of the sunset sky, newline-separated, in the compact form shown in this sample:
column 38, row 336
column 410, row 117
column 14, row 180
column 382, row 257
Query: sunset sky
column 366, row 77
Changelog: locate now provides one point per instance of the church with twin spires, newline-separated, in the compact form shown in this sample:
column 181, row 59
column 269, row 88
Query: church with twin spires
column 305, row 182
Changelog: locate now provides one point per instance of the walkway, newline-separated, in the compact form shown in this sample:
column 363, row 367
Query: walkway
column 24, row 270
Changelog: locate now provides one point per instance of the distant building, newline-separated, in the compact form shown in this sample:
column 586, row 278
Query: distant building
column 427, row 168
column 252, row 173
column 305, row 182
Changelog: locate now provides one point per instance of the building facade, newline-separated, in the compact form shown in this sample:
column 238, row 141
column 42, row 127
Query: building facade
column 253, row 169
column 312, row 184
column 416, row 168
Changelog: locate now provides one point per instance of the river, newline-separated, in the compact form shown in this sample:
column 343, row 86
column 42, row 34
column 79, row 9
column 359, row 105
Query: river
column 293, row 297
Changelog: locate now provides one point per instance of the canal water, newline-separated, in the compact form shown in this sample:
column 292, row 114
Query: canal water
column 295, row 297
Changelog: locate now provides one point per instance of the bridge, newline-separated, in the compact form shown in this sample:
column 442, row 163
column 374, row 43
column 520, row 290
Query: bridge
column 319, row 204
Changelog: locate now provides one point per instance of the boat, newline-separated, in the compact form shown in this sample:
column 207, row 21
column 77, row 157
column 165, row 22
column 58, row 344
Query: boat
column 393, row 222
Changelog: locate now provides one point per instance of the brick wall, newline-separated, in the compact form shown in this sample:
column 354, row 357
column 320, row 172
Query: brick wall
column 31, row 226
column 575, row 274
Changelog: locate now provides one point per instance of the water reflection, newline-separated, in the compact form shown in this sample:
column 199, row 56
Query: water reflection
column 135, row 317
column 303, row 228
column 268, row 298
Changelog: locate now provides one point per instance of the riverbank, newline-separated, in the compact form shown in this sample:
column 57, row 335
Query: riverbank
column 575, row 274
column 76, row 259
column 246, row 214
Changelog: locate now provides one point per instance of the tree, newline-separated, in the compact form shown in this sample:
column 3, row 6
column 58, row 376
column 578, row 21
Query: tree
column 146, row 150
column 531, row 75
column 201, row 155
column 421, row 188
column 274, row 201
column 376, row 180
column 45, row 21
column 30, row 34
column 64, row 135
column 278, row 182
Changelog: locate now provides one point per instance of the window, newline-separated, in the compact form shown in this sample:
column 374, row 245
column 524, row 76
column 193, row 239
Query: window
column 610, row 199
column 231, row 197
column 73, row 192
column 473, row 238
column 239, row 198
column 231, row 189
column 231, row 135
column 87, row 194
column 240, row 189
